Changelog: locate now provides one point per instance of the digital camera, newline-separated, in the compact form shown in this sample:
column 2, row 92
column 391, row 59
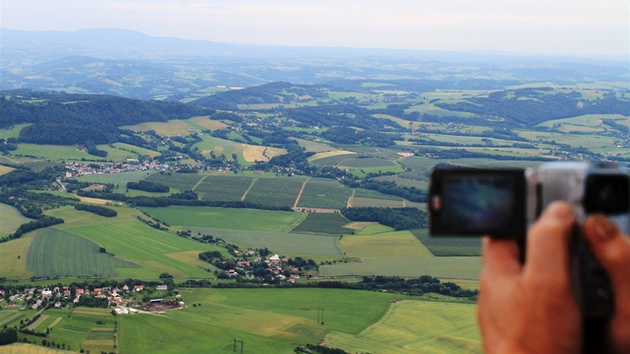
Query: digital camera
column 504, row 203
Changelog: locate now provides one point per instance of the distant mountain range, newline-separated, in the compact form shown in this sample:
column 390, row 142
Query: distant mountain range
column 132, row 64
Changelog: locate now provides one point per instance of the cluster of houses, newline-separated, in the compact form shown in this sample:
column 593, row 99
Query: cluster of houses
column 62, row 296
column 76, row 169
column 274, row 265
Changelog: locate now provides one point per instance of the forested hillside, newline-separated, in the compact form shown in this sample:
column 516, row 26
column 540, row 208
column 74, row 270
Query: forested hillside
column 63, row 119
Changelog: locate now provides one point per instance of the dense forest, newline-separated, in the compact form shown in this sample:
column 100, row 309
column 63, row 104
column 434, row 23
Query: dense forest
column 535, row 105
column 64, row 119
column 397, row 218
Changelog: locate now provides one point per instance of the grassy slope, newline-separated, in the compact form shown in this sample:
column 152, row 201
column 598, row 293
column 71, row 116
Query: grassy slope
column 278, row 320
column 236, row 219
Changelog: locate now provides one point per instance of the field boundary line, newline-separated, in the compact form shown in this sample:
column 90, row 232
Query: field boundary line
column 297, row 200
column 55, row 322
column 251, row 185
column 198, row 183
column 349, row 204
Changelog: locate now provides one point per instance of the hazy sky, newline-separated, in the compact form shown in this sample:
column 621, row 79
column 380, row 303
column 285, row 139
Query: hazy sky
column 575, row 27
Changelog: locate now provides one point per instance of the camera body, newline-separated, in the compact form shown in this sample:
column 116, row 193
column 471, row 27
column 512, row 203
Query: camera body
column 504, row 203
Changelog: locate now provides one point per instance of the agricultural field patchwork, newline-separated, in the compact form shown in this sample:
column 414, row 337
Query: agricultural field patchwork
column 81, row 328
column 129, row 239
column 266, row 320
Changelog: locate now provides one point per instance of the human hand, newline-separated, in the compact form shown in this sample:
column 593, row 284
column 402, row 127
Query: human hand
column 612, row 249
column 530, row 308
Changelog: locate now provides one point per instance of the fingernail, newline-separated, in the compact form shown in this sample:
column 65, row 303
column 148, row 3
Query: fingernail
column 603, row 228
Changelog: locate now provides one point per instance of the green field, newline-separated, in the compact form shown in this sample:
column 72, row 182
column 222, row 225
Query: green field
column 58, row 152
column 360, row 202
column 280, row 191
column 117, row 179
column 223, row 188
column 323, row 223
column 121, row 151
column 450, row 246
column 324, row 193
column 82, row 328
column 129, row 239
column 313, row 146
column 182, row 181
column 55, row 252
column 278, row 320
column 417, row 327
column 10, row 219
column 318, row 247
column 365, row 162
column 225, row 218
column 377, row 250
column 14, row 132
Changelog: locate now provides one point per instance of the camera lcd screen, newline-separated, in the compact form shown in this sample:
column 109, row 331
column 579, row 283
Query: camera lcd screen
column 477, row 202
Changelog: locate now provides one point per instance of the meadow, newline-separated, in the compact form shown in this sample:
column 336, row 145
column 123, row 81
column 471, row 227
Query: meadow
column 10, row 219
column 377, row 249
column 226, row 218
column 117, row 179
column 120, row 151
column 278, row 320
column 417, row 327
column 5, row 169
column 48, row 152
column 178, row 127
column 317, row 247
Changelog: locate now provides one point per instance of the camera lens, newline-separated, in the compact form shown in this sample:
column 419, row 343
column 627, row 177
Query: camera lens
column 608, row 194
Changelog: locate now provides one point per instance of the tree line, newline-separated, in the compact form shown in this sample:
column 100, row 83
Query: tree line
column 397, row 218
column 96, row 209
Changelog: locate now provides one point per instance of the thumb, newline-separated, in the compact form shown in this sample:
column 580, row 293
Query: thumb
column 612, row 249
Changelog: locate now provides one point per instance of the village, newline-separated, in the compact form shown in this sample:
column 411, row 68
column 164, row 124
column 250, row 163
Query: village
column 70, row 296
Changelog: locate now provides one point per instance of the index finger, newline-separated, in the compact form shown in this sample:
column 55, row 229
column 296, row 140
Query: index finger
column 499, row 258
column 548, row 243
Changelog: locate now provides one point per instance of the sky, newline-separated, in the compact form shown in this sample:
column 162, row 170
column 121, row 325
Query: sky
column 566, row 27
